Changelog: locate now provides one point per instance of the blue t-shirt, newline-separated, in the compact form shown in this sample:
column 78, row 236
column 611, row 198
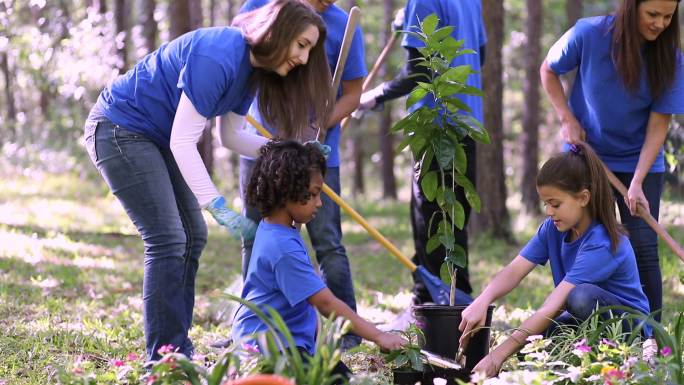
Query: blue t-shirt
column 614, row 118
column 336, row 21
column 589, row 259
column 280, row 275
column 212, row 67
column 466, row 17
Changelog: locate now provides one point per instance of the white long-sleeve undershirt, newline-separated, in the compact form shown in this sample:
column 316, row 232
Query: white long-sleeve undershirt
column 188, row 125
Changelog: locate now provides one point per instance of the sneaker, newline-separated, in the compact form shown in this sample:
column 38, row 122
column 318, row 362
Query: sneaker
column 222, row 343
column 349, row 342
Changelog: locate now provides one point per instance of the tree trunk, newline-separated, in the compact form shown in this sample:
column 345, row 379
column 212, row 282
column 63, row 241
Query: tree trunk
column 530, row 133
column 494, row 216
column 179, row 12
column 573, row 9
column 102, row 6
column 149, row 25
column 9, row 96
column 121, row 21
column 389, row 183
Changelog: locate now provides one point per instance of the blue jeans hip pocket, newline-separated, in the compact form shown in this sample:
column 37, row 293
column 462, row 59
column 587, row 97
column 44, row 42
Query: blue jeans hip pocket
column 89, row 134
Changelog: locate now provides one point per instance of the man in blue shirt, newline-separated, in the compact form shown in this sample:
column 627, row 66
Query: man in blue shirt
column 466, row 16
column 325, row 230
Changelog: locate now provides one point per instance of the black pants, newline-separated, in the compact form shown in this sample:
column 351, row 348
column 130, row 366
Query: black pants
column 422, row 211
column 340, row 368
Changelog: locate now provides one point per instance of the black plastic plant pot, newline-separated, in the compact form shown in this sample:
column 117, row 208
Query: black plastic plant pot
column 450, row 375
column 407, row 376
column 440, row 325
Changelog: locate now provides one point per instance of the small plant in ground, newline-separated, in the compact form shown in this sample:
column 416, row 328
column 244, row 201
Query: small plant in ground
column 436, row 133
column 409, row 356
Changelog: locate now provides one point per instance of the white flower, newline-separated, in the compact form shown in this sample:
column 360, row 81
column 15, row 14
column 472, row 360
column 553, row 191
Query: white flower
column 534, row 337
column 439, row 381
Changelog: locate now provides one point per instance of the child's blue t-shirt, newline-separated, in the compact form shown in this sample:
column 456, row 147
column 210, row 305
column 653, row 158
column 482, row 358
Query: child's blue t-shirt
column 212, row 67
column 466, row 17
column 614, row 118
column 589, row 259
column 280, row 275
column 355, row 67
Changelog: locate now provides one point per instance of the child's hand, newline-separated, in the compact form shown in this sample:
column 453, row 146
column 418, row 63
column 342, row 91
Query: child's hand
column 472, row 317
column 390, row 341
column 489, row 366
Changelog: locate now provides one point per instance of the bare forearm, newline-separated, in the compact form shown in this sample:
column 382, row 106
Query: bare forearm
column 536, row 324
column 554, row 90
column 656, row 132
column 360, row 326
column 345, row 105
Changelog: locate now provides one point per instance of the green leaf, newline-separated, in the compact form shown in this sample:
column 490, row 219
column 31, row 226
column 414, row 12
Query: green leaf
column 408, row 139
column 455, row 105
column 457, row 214
column 429, row 185
column 433, row 243
column 416, row 360
column 444, row 152
column 428, row 155
column 457, row 256
column 458, row 74
column 461, row 161
column 474, row 200
column 416, row 95
column 444, row 274
column 429, row 24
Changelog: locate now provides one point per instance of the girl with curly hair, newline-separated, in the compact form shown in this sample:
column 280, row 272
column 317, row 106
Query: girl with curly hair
column 286, row 188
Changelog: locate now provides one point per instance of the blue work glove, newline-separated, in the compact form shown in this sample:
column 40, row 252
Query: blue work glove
column 323, row 148
column 236, row 224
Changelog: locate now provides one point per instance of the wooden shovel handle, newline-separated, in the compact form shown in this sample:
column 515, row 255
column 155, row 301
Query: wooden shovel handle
column 645, row 214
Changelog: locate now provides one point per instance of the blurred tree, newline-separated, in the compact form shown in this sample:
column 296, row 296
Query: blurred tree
column 494, row 216
column 121, row 22
column 574, row 9
column 186, row 15
column 530, row 132
column 389, row 183
column 149, row 24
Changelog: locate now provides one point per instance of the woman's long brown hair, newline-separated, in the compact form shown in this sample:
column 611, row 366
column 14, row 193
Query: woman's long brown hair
column 580, row 169
column 659, row 56
column 293, row 102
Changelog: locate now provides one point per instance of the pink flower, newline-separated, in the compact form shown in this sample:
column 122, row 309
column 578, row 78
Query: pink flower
column 117, row 363
column 132, row 357
column 608, row 342
column 78, row 370
column 666, row 351
column 250, row 348
column 165, row 349
column 151, row 379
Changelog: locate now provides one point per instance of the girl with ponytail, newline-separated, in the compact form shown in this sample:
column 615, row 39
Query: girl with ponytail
column 592, row 261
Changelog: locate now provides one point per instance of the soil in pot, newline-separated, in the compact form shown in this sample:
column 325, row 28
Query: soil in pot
column 407, row 376
column 440, row 325
column 450, row 375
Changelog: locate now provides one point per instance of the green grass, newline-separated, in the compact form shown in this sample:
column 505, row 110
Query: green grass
column 71, row 275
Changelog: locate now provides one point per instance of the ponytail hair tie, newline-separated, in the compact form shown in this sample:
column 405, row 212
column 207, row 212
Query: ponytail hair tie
column 576, row 149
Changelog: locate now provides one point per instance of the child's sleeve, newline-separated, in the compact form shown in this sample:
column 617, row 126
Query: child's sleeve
column 565, row 55
column 536, row 249
column 594, row 263
column 296, row 277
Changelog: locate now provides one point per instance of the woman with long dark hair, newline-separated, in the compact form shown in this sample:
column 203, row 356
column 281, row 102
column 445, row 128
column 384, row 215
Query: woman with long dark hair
column 142, row 135
column 630, row 80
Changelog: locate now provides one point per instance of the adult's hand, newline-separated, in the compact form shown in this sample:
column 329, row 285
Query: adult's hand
column 237, row 225
column 571, row 131
column 635, row 196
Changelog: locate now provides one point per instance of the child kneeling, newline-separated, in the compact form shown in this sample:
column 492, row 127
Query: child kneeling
column 592, row 261
column 286, row 188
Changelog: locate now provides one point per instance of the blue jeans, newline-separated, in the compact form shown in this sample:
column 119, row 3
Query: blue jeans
column 644, row 239
column 581, row 303
column 150, row 187
column 325, row 231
